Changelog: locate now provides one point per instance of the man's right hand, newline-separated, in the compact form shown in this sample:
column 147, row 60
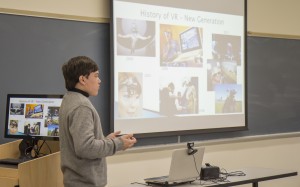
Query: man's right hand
column 128, row 141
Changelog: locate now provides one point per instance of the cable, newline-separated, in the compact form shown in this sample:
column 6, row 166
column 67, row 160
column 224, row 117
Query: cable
column 48, row 147
column 43, row 154
column 224, row 173
column 41, row 146
column 233, row 173
column 27, row 152
column 196, row 165
column 237, row 173
column 140, row 183
column 198, row 171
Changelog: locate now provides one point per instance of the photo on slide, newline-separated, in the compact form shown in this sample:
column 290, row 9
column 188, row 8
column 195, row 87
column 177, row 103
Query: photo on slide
column 229, row 98
column 180, row 46
column 34, row 111
column 130, row 95
column 220, row 72
column 52, row 117
column 13, row 126
column 135, row 37
column 16, row 109
column 178, row 96
column 226, row 48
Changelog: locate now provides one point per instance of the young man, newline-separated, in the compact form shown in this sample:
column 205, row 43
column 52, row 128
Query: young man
column 82, row 144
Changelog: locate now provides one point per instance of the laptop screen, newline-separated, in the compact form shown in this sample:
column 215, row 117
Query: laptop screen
column 190, row 40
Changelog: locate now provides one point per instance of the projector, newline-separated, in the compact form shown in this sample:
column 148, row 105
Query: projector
column 209, row 172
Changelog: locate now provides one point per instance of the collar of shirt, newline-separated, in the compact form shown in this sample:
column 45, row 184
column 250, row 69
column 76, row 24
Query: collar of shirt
column 80, row 91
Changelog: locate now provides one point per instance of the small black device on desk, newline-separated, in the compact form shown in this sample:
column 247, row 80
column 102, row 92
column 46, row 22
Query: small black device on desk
column 209, row 172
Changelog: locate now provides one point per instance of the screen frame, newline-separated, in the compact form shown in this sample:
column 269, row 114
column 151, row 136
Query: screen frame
column 179, row 132
column 27, row 137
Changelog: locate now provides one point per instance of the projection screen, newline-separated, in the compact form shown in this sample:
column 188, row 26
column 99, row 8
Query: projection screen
column 178, row 66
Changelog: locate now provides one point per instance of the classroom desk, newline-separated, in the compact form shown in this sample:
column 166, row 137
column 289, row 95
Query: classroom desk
column 253, row 176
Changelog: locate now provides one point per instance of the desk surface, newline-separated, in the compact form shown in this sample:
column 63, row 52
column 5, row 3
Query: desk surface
column 253, row 175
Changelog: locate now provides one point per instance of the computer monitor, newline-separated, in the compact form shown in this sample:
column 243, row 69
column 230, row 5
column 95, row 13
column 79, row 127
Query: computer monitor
column 31, row 116
column 190, row 40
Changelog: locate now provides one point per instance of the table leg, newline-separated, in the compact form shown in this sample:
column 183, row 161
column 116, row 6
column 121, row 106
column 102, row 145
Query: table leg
column 255, row 184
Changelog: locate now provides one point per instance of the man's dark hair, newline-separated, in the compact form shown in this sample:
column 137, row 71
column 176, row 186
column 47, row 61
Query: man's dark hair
column 75, row 67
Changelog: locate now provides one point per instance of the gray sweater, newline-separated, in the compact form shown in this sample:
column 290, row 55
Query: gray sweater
column 82, row 143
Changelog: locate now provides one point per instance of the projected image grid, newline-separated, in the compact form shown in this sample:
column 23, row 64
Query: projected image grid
column 30, row 118
column 172, row 68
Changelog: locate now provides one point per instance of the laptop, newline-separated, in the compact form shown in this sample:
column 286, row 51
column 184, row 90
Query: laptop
column 182, row 170
column 190, row 45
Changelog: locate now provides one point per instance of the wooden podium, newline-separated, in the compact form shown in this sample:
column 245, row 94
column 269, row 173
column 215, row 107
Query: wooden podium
column 44, row 171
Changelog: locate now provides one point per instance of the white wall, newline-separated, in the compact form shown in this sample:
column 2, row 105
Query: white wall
column 90, row 8
column 264, row 16
column 274, row 17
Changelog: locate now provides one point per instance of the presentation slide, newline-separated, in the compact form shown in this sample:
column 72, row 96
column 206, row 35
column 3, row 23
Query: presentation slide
column 33, row 117
column 178, row 65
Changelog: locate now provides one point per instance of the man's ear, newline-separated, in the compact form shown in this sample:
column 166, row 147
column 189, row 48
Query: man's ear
column 81, row 80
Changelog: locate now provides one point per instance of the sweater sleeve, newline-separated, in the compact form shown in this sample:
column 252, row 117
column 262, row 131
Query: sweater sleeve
column 118, row 144
column 82, row 130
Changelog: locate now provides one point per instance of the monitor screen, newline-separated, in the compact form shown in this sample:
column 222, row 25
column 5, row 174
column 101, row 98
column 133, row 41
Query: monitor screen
column 190, row 40
column 178, row 67
column 32, row 116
